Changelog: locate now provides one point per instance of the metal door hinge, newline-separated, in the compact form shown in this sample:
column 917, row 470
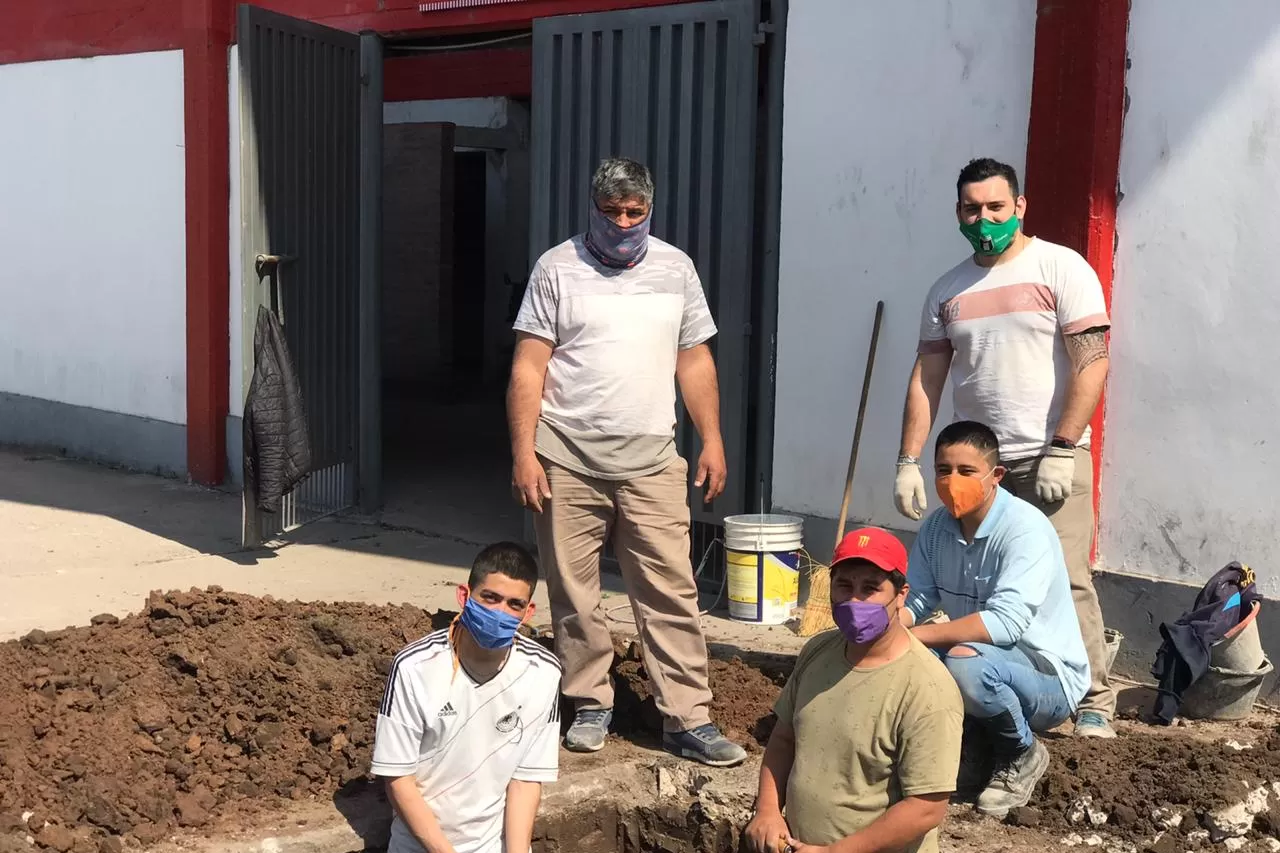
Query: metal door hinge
column 763, row 31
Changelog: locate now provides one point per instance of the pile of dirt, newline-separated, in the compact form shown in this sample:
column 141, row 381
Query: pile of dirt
column 209, row 703
column 1156, row 780
column 205, row 703
column 743, row 694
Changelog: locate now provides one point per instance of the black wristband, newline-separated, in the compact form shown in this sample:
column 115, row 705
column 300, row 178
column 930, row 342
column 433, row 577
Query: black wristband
column 1059, row 441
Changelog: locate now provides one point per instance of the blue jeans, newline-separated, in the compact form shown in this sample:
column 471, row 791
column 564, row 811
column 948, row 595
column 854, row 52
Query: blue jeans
column 1004, row 691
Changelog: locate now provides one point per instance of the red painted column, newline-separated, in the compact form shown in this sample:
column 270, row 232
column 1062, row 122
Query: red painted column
column 206, row 37
column 1073, row 142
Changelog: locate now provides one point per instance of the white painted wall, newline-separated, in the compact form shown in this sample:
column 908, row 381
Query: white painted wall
column 884, row 104
column 238, row 388
column 1192, row 455
column 93, row 233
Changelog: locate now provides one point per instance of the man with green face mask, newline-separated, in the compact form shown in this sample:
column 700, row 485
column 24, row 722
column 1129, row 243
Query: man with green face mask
column 1020, row 326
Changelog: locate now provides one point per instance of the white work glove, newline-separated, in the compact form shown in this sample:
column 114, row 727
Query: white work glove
column 908, row 491
column 1054, row 475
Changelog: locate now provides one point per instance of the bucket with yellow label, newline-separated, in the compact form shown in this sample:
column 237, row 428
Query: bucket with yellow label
column 762, row 565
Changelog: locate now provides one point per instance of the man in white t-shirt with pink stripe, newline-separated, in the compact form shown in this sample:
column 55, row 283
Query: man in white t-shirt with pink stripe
column 1020, row 326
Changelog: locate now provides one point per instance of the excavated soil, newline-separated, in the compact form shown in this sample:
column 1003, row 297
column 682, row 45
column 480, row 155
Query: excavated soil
column 1146, row 775
column 210, row 705
column 742, row 696
column 205, row 703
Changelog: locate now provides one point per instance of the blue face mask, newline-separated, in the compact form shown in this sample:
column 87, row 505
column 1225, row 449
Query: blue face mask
column 491, row 629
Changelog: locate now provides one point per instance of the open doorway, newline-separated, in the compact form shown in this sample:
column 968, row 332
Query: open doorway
column 455, row 200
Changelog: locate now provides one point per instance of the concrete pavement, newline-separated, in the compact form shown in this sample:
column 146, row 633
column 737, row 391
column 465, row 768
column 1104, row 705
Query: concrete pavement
column 80, row 539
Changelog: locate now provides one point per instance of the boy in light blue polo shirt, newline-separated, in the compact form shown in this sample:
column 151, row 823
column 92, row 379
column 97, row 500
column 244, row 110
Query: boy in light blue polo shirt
column 993, row 563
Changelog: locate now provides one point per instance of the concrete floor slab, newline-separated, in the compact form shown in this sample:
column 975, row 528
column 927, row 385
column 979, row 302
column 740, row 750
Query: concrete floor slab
column 81, row 539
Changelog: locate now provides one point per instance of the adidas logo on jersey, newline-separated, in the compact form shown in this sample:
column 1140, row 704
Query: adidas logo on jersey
column 447, row 710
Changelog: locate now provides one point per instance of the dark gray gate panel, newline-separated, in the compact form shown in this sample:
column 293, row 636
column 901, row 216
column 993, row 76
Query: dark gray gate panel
column 300, row 159
column 673, row 87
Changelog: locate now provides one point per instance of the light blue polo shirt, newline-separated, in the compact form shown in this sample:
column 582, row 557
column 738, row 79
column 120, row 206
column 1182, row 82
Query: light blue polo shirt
column 1013, row 575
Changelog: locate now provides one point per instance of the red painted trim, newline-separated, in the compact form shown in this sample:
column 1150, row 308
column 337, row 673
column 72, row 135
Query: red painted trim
column 1073, row 143
column 206, row 37
column 470, row 74
column 402, row 18
column 63, row 29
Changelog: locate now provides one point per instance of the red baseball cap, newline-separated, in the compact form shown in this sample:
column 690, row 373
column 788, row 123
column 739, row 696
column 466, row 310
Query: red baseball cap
column 875, row 545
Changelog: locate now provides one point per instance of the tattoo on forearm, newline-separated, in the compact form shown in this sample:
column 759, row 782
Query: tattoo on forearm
column 1086, row 348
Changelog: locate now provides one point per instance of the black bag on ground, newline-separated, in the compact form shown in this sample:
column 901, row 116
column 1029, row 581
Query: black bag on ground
column 1184, row 655
column 277, row 446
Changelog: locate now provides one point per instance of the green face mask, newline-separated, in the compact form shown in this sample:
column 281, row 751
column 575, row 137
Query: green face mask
column 990, row 238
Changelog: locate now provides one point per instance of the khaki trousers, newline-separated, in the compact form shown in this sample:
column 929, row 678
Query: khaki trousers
column 1073, row 519
column 648, row 520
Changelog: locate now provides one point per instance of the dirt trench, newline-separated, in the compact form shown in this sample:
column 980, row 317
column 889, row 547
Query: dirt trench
column 210, row 707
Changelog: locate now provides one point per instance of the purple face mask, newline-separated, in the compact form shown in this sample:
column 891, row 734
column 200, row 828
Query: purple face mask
column 613, row 245
column 861, row 622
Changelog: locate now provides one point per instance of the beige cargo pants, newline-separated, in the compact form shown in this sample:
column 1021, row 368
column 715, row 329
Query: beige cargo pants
column 1073, row 519
column 648, row 520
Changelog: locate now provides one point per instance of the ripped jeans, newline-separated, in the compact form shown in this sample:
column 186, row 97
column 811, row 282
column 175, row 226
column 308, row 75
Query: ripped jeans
column 1005, row 692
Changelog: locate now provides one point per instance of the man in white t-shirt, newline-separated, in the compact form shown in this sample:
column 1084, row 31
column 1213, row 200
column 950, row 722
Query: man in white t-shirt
column 1021, row 327
column 611, row 321
column 469, row 725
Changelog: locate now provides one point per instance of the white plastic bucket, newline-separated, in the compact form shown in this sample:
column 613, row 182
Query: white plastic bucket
column 762, row 563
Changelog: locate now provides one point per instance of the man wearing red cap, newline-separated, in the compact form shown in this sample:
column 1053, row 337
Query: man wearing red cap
column 867, row 744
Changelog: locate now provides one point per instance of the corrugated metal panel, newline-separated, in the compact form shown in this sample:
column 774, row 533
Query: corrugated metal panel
column 673, row 87
column 300, row 96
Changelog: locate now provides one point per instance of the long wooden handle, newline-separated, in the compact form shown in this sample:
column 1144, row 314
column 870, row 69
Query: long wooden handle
column 857, row 430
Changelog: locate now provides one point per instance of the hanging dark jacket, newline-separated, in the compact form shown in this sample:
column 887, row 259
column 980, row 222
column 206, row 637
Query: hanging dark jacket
column 1184, row 655
column 277, row 447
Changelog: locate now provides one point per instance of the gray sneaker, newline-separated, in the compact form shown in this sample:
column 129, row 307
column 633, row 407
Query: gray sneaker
column 589, row 729
column 705, row 744
column 1093, row 724
column 1014, row 781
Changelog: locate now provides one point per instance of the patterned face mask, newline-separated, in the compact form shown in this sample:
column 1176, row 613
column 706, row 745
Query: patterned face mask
column 613, row 245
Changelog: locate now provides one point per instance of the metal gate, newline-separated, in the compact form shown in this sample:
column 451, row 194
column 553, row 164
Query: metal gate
column 300, row 239
column 675, row 88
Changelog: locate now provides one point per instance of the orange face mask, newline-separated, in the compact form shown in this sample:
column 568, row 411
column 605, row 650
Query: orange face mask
column 961, row 495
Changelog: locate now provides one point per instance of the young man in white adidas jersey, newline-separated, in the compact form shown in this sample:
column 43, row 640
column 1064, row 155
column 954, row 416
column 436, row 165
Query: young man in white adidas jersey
column 469, row 726
column 1021, row 327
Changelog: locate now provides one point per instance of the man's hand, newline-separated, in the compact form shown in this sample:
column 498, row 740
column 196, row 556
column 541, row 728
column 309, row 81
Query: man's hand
column 529, row 482
column 797, row 846
column 908, row 491
column 712, row 470
column 1054, row 474
column 767, row 833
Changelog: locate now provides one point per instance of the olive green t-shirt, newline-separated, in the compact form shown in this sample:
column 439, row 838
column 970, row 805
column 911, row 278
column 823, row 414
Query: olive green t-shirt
column 866, row 738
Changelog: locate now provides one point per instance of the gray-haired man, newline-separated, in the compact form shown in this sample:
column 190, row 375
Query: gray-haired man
column 609, row 317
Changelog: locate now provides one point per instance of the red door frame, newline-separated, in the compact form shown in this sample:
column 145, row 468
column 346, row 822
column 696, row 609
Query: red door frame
column 1073, row 144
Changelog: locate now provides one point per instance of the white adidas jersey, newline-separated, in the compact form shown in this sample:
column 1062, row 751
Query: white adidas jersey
column 465, row 741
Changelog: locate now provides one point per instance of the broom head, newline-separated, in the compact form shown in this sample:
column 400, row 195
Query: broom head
column 817, row 607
